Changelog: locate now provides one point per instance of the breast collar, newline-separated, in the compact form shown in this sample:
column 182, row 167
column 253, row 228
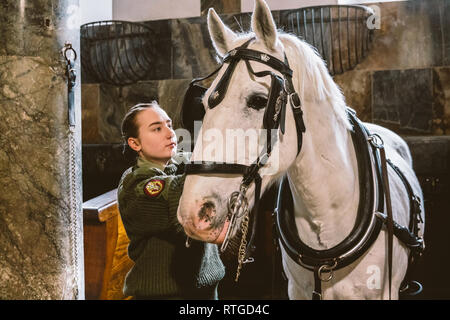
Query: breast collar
column 368, row 223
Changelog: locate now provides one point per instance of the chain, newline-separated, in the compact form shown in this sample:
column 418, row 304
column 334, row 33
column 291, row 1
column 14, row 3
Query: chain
column 73, row 228
column 243, row 246
column 237, row 207
column 70, row 55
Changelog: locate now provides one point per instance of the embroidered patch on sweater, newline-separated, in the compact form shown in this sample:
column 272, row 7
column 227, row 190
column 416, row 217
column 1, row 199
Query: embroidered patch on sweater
column 154, row 187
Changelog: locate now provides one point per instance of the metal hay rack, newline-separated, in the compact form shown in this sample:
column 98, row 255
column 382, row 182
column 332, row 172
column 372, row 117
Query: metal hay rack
column 340, row 33
column 116, row 52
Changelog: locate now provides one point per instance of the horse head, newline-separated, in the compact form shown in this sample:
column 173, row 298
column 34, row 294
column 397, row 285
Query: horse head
column 238, row 128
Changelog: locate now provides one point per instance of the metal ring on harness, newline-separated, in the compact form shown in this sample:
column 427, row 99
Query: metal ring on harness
column 236, row 202
column 410, row 290
column 324, row 269
column 249, row 260
column 226, row 240
column 376, row 140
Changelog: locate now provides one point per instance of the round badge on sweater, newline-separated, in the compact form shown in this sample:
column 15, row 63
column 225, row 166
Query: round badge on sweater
column 154, row 187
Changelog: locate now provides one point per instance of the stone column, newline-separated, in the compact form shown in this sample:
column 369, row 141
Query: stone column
column 41, row 231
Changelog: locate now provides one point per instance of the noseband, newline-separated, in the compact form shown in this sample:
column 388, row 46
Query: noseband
column 281, row 92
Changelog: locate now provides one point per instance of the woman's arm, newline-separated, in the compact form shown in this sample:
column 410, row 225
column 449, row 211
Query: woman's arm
column 153, row 204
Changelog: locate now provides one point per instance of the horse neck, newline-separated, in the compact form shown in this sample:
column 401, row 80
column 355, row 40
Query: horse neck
column 324, row 179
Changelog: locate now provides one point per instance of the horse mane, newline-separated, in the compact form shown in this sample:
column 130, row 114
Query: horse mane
column 311, row 76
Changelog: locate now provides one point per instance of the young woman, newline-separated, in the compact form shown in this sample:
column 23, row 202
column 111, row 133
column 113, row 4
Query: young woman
column 148, row 196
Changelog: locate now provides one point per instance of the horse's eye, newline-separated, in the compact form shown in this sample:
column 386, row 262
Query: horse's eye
column 256, row 102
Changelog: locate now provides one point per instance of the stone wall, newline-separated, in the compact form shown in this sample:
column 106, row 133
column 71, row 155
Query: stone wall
column 41, row 233
column 404, row 82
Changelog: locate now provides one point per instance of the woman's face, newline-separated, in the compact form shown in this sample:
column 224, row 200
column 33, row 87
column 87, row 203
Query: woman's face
column 156, row 140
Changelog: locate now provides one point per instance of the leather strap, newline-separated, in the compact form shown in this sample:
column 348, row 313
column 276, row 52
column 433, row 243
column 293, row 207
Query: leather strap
column 415, row 211
column 219, row 91
column 216, row 168
column 317, row 292
column 71, row 75
column 249, row 54
column 389, row 220
column 251, row 243
column 410, row 237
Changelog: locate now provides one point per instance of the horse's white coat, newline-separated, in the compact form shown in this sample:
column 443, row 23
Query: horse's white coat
column 323, row 178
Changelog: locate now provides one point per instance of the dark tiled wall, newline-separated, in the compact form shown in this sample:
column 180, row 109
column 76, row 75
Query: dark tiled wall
column 403, row 98
column 103, row 166
column 403, row 83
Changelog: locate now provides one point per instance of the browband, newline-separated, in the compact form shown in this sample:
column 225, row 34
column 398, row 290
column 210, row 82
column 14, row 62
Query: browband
column 249, row 54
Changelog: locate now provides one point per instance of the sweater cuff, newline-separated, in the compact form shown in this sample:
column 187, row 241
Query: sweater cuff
column 212, row 269
column 175, row 191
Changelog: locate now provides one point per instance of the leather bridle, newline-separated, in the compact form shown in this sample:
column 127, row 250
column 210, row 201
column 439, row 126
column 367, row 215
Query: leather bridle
column 281, row 92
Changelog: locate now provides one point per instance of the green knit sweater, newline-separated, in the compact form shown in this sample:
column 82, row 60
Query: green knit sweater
column 148, row 196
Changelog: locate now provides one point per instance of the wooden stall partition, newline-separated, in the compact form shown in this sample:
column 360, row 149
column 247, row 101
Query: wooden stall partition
column 105, row 248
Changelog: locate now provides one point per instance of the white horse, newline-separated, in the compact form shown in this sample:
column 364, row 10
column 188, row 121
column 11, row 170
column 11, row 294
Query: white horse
column 323, row 177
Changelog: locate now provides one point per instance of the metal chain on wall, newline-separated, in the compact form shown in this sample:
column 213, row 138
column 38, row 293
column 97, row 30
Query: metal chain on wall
column 70, row 55
column 74, row 241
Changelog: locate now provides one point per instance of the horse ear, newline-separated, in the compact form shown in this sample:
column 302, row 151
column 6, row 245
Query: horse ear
column 222, row 37
column 263, row 25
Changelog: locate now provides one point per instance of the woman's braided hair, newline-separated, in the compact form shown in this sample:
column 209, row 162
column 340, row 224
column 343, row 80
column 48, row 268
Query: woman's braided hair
column 130, row 128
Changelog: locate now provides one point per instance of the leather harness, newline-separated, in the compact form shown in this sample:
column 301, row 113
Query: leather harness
column 368, row 223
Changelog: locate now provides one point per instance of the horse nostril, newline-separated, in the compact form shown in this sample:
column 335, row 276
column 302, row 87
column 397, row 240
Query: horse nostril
column 207, row 211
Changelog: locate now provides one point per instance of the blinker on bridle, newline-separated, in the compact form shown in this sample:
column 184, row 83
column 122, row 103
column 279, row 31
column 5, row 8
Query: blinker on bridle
column 281, row 91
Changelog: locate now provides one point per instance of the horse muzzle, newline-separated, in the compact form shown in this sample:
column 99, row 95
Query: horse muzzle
column 203, row 231
column 202, row 223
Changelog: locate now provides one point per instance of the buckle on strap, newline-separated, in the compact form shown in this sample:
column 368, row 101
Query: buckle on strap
column 376, row 140
column 295, row 100
column 417, row 211
column 316, row 295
